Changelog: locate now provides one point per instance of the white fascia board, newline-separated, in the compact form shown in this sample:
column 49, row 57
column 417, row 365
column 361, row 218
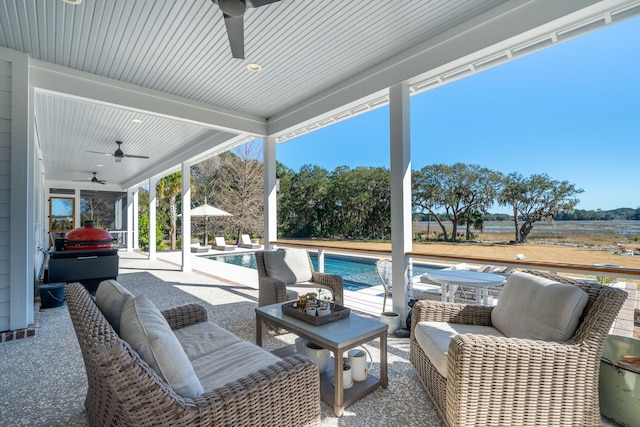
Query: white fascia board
column 212, row 145
column 506, row 22
column 89, row 186
column 71, row 83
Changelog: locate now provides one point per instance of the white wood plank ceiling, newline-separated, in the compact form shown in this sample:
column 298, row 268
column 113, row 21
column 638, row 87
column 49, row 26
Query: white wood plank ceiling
column 180, row 48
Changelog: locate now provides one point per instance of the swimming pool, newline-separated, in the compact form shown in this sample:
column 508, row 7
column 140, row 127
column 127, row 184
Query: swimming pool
column 357, row 272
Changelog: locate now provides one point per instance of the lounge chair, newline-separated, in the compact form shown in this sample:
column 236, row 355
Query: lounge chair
column 245, row 242
column 221, row 245
column 197, row 248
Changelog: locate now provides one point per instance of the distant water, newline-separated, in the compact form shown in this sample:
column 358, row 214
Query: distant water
column 627, row 228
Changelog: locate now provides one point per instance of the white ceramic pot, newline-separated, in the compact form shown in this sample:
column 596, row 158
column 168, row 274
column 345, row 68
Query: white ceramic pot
column 359, row 363
column 347, row 380
column 324, row 311
column 392, row 320
column 319, row 355
column 300, row 343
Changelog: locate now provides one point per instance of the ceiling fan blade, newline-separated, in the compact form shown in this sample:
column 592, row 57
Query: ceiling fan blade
column 235, row 31
column 258, row 3
column 100, row 152
column 133, row 156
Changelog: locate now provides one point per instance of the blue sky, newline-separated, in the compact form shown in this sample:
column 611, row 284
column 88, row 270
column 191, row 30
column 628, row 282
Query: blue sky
column 571, row 111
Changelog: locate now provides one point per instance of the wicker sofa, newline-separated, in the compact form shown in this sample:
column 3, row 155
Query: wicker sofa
column 494, row 379
column 124, row 390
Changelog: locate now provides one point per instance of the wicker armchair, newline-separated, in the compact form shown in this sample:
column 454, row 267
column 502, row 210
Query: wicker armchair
column 499, row 381
column 124, row 391
column 272, row 290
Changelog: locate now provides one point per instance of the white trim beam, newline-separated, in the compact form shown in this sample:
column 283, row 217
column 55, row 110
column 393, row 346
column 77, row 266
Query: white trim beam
column 475, row 39
column 90, row 87
column 195, row 153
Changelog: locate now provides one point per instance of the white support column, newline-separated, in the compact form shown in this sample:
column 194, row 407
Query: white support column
column 320, row 260
column 118, row 214
column 400, row 143
column 77, row 207
column 153, row 181
column 186, row 216
column 136, row 219
column 270, row 192
column 18, row 253
column 130, row 236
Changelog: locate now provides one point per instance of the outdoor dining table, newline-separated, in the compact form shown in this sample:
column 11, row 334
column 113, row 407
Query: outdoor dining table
column 450, row 280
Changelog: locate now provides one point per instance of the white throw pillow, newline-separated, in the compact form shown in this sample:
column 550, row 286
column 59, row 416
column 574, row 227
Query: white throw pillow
column 110, row 298
column 147, row 331
column 536, row 308
column 289, row 266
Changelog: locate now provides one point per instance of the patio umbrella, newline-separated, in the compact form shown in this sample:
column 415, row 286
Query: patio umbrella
column 206, row 211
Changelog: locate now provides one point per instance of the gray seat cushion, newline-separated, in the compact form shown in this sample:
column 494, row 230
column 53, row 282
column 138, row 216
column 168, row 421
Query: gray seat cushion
column 110, row 298
column 218, row 356
column 536, row 308
column 301, row 288
column 434, row 339
column 148, row 333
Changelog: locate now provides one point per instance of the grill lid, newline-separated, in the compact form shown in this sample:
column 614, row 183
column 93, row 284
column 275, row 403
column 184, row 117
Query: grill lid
column 88, row 237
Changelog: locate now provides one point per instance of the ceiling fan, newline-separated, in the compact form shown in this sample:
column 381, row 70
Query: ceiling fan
column 119, row 154
column 233, row 12
column 93, row 180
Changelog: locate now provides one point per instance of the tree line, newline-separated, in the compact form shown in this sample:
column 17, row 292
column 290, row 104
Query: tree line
column 356, row 203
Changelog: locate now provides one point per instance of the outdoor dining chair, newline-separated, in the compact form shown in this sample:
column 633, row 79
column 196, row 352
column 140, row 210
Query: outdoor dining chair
column 383, row 268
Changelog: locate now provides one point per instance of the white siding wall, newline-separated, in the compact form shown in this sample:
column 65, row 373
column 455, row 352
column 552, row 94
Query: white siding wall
column 5, row 182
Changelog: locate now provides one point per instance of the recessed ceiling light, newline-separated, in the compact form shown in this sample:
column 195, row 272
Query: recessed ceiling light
column 136, row 120
column 254, row 67
column 74, row 2
column 99, row 165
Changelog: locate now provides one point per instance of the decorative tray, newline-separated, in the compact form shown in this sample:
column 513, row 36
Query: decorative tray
column 338, row 312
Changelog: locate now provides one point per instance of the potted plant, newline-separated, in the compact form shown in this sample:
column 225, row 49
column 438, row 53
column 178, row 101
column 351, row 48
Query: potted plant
column 255, row 238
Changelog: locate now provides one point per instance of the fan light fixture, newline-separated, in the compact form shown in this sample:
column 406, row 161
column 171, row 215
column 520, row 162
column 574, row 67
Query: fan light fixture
column 254, row 67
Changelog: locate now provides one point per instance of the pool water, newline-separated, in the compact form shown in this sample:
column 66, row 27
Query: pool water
column 357, row 272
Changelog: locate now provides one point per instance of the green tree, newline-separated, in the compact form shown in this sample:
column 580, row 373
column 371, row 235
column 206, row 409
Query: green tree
column 540, row 199
column 513, row 190
column 240, row 184
column 169, row 188
column 459, row 189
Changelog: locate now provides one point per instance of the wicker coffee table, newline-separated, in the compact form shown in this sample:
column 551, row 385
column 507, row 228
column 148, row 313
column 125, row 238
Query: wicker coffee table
column 337, row 337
